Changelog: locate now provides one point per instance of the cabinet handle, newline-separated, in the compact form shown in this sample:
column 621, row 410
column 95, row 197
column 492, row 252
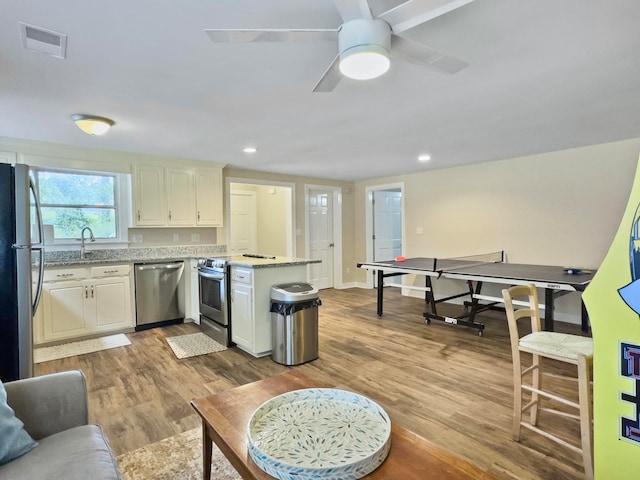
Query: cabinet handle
column 91, row 291
column 169, row 214
column 198, row 214
column 63, row 275
column 138, row 215
column 110, row 271
column 86, row 292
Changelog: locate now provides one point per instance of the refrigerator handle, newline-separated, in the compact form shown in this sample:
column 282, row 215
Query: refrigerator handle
column 36, row 300
column 40, row 248
column 38, row 213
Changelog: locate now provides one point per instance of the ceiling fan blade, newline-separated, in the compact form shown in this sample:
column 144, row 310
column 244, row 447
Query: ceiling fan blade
column 352, row 9
column 270, row 35
column 420, row 54
column 330, row 78
column 414, row 12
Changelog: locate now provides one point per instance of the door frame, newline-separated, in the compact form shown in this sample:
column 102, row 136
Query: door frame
column 369, row 223
column 291, row 244
column 336, row 213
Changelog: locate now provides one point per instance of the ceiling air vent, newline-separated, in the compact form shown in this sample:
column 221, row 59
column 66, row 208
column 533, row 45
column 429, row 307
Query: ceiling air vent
column 43, row 40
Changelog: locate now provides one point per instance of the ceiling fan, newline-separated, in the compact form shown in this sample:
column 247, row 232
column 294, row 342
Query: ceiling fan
column 365, row 39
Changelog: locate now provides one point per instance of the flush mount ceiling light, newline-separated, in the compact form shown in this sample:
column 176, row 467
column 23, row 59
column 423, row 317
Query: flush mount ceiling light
column 424, row 158
column 250, row 150
column 92, row 124
column 364, row 48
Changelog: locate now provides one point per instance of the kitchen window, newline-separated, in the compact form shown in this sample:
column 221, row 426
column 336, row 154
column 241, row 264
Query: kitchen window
column 72, row 200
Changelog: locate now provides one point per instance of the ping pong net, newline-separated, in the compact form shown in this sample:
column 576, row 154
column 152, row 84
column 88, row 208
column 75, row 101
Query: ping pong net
column 457, row 263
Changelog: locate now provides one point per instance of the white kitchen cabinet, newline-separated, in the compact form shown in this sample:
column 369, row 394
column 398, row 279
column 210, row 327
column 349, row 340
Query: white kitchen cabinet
column 149, row 196
column 177, row 197
column 180, row 197
column 192, row 305
column 251, row 303
column 209, row 198
column 242, row 331
column 79, row 302
column 110, row 303
column 63, row 313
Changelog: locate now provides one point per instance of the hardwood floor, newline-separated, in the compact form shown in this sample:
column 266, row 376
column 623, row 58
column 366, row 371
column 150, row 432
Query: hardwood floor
column 443, row 382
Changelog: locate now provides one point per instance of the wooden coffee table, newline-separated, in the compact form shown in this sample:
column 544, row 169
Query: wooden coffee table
column 225, row 417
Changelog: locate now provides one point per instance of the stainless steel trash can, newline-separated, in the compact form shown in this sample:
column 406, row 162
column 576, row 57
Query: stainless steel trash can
column 294, row 323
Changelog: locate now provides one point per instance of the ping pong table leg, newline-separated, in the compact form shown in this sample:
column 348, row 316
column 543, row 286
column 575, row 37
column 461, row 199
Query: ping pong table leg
column 429, row 299
column 549, row 302
column 380, row 277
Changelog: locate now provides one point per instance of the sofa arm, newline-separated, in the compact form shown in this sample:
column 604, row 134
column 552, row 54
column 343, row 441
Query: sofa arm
column 50, row 403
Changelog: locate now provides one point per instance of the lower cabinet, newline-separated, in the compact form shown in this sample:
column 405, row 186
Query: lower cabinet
column 91, row 302
column 251, row 303
column 243, row 316
column 192, row 291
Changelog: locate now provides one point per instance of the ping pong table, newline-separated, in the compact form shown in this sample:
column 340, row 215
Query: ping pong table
column 556, row 281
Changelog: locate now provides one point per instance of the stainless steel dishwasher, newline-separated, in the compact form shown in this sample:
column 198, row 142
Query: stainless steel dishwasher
column 159, row 293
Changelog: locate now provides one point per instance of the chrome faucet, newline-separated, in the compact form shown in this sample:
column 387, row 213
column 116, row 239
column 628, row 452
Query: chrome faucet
column 91, row 237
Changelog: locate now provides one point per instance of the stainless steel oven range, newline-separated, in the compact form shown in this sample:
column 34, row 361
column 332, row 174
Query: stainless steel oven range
column 214, row 301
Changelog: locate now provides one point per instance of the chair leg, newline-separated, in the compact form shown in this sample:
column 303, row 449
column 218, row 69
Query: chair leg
column 517, row 396
column 586, row 413
column 536, row 383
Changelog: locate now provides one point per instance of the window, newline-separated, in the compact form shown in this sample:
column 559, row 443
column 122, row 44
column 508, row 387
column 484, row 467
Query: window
column 71, row 201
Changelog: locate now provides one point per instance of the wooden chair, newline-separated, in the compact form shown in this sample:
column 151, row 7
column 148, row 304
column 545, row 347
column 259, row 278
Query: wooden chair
column 572, row 349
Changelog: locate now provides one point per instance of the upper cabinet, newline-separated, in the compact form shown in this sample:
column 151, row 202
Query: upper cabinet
column 180, row 198
column 208, row 198
column 149, row 196
column 168, row 197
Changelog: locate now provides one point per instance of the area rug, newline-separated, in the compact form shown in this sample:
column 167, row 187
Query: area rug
column 45, row 354
column 174, row 458
column 185, row 346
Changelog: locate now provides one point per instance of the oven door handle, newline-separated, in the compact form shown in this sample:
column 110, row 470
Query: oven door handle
column 211, row 276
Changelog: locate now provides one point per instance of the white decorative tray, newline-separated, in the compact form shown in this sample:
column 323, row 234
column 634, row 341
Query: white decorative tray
column 319, row 433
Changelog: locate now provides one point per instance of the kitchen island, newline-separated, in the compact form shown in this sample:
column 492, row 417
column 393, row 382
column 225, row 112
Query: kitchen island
column 251, row 280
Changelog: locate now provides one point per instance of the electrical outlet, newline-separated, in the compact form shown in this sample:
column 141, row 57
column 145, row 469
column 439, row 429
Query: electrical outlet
column 137, row 238
column 195, row 237
column 418, row 230
column 176, row 237
column 348, row 269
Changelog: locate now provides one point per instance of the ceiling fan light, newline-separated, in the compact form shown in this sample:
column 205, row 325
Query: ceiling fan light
column 364, row 62
column 91, row 124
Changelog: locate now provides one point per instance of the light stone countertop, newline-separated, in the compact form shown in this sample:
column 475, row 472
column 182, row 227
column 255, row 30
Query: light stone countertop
column 160, row 254
column 250, row 262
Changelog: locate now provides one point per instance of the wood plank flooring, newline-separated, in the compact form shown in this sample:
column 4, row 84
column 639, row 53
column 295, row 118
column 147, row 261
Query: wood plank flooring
column 443, row 382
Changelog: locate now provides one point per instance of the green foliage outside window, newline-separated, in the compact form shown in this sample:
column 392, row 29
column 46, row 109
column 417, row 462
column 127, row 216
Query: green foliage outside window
column 72, row 201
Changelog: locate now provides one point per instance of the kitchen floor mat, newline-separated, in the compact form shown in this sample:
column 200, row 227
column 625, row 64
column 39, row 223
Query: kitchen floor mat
column 45, row 354
column 194, row 344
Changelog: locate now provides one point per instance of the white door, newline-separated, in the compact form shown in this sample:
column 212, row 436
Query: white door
column 321, row 245
column 387, row 224
column 243, row 222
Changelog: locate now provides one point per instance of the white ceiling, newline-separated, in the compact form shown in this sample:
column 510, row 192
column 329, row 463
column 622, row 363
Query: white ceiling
column 544, row 75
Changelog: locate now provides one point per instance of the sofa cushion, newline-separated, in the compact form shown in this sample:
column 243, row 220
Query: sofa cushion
column 81, row 453
column 15, row 439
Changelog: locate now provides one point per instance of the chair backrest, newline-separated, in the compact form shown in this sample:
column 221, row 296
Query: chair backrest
column 528, row 294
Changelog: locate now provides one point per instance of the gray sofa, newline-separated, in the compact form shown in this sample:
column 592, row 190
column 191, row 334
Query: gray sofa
column 54, row 411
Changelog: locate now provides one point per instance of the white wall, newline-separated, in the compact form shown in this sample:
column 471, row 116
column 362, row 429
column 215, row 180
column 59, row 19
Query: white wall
column 559, row 208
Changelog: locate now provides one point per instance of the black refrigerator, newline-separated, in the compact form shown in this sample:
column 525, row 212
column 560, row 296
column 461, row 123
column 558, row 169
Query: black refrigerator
column 21, row 270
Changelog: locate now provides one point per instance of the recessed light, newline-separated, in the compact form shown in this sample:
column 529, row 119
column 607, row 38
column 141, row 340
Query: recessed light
column 424, row 158
column 250, row 150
